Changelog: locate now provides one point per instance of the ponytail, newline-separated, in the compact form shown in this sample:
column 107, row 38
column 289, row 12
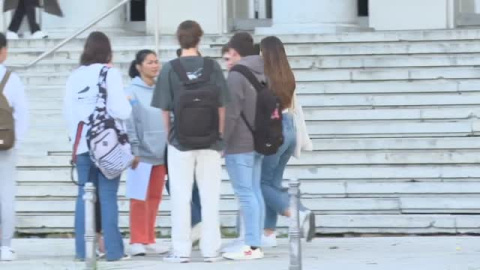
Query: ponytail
column 139, row 59
column 133, row 71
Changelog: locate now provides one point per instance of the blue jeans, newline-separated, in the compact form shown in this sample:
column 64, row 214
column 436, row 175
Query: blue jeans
column 244, row 171
column 107, row 192
column 276, row 197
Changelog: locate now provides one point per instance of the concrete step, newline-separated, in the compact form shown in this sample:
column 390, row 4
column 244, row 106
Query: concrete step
column 392, row 144
column 310, row 189
column 54, row 118
column 408, row 205
column 357, row 87
column 347, row 101
column 326, row 224
column 22, row 55
column 379, row 157
column 342, row 129
column 63, row 148
column 300, row 62
column 425, row 114
column 371, row 74
column 390, row 87
column 389, row 129
column 218, row 40
column 372, row 173
column 33, row 148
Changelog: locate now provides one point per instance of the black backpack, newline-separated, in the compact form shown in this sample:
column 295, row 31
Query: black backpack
column 196, row 108
column 268, row 131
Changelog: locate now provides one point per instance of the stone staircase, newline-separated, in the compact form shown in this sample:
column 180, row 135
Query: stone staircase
column 394, row 117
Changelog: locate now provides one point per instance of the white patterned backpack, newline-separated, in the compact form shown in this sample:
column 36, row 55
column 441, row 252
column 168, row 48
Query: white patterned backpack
column 107, row 140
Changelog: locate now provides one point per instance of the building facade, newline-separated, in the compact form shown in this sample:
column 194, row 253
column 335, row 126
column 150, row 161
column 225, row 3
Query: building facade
column 266, row 16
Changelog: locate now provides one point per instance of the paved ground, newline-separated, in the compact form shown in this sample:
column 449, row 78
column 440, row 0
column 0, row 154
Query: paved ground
column 408, row 253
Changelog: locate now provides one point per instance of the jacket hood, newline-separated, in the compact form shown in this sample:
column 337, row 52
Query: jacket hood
column 138, row 82
column 254, row 63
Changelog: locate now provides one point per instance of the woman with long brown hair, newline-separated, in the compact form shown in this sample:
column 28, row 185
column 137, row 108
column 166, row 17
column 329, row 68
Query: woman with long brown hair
column 282, row 82
column 82, row 91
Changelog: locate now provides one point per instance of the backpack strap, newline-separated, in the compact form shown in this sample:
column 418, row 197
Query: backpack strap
column 178, row 68
column 182, row 73
column 207, row 69
column 245, row 71
column 78, row 136
column 102, row 81
column 73, row 161
column 3, row 98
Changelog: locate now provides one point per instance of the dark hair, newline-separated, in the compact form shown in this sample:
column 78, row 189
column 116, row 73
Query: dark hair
column 3, row 41
column 225, row 49
column 278, row 70
column 139, row 59
column 97, row 50
column 189, row 34
column 256, row 48
column 179, row 53
column 242, row 43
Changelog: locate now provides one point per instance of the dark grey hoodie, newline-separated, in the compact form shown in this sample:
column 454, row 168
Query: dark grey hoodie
column 237, row 136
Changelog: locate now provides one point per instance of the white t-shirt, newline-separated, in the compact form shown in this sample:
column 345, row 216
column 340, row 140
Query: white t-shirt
column 81, row 96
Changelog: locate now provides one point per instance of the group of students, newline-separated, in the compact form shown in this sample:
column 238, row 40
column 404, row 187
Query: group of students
column 158, row 129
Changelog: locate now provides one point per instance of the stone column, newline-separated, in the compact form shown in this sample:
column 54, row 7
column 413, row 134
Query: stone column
column 78, row 13
column 312, row 16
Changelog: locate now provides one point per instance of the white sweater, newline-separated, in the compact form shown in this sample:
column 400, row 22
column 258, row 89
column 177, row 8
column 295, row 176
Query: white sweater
column 81, row 96
column 15, row 93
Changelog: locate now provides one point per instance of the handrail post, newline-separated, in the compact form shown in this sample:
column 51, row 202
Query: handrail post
column 157, row 28
column 90, row 235
column 294, row 228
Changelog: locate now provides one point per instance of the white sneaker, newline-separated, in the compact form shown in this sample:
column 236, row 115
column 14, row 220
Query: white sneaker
column 39, row 35
column 125, row 258
column 172, row 258
column 7, row 254
column 196, row 233
column 138, row 250
column 212, row 259
column 307, row 224
column 245, row 253
column 12, row 35
column 269, row 241
column 100, row 255
column 233, row 246
column 156, row 249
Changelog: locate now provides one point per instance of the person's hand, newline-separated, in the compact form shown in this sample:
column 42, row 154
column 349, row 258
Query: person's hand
column 135, row 162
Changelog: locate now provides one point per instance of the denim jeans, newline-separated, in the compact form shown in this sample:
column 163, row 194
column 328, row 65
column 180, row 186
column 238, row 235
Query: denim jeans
column 276, row 197
column 244, row 171
column 107, row 192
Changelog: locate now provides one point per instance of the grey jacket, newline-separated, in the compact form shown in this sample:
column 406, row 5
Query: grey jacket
column 50, row 6
column 237, row 136
column 145, row 127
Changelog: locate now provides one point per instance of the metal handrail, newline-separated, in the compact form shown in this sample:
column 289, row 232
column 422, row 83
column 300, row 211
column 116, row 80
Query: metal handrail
column 73, row 36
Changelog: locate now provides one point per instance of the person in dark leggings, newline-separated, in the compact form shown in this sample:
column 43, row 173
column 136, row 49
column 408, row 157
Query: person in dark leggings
column 25, row 8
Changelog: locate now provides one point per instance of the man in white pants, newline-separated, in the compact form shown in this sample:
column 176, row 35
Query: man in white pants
column 14, row 92
column 195, row 143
